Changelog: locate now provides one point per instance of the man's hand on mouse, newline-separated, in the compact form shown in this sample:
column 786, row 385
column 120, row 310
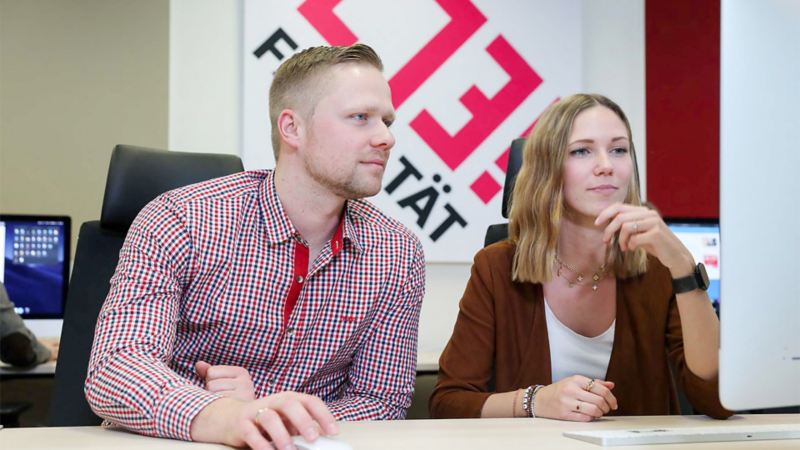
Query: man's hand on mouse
column 255, row 423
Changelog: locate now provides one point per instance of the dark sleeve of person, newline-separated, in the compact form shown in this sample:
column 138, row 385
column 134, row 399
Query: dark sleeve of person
column 702, row 394
column 466, row 365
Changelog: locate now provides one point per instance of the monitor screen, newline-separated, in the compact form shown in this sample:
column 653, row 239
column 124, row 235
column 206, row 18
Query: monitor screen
column 759, row 359
column 701, row 238
column 35, row 264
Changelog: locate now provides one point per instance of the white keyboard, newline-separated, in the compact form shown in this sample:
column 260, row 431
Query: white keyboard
column 675, row 435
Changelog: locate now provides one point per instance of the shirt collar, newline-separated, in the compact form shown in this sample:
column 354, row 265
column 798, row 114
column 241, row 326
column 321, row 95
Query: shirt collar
column 280, row 228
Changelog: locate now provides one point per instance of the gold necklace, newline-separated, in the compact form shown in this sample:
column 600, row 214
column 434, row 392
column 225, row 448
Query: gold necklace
column 596, row 276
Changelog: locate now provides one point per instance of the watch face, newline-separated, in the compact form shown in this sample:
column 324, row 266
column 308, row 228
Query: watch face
column 702, row 276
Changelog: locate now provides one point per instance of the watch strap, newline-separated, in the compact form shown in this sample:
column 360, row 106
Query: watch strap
column 690, row 282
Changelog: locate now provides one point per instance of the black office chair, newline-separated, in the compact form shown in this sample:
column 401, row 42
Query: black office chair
column 136, row 175
column 499, row 231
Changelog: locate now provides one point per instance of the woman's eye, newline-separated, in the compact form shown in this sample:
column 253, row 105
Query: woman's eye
column 579, row 152
column 619, row 150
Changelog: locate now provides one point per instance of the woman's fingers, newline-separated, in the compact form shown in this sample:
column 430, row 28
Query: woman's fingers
column 601, row 389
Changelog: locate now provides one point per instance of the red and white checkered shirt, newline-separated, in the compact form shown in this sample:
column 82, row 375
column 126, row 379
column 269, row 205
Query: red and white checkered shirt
column 208, row 272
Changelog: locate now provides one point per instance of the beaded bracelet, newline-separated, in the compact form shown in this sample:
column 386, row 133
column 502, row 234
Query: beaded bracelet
column 529, row 399
column 526, row 400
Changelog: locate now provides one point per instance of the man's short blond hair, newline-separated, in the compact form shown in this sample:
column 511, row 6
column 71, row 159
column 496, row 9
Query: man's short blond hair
column 297, row 84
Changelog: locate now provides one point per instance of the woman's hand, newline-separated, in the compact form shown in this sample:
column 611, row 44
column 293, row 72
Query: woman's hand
column 641, row 227
column 228, row 381
column 575, row 398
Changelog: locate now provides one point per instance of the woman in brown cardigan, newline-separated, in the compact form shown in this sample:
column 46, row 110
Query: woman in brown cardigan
column 580, row 313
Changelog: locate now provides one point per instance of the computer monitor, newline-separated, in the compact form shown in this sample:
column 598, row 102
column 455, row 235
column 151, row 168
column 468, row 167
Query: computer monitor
column 701, row 238
column 35, row 263
column 760, row 204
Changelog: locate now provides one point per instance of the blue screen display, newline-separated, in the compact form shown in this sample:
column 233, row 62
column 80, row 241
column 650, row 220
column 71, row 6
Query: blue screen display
column 35, row 264
column 702, row 241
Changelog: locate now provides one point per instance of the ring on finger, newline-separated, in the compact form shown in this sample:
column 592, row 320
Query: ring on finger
column 635, row 227
column 589, row 385
column 578, row 407
column 259, row 412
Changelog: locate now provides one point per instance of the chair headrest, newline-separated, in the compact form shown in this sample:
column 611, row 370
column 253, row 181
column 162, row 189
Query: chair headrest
column 514, row 163
column 137, row 175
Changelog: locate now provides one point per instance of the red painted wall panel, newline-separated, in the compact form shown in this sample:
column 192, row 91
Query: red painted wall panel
column 682, row 68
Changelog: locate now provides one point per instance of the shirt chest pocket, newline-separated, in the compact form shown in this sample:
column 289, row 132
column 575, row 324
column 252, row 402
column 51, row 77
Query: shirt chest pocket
column 335, row 331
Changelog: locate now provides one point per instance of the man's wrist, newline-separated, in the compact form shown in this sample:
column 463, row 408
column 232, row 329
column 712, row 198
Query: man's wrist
column 210, row 424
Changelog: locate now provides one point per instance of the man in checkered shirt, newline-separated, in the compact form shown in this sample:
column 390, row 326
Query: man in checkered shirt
column 266, row 304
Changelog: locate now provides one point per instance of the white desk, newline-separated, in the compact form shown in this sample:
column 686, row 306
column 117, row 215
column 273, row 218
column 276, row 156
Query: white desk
column 428, row 362
column 465, row 434
column 47, row 369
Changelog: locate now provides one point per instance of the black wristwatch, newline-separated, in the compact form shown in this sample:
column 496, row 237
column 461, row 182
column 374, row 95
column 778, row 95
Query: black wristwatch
column 696, row 280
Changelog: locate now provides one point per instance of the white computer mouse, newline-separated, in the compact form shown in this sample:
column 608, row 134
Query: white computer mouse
column 322, row 443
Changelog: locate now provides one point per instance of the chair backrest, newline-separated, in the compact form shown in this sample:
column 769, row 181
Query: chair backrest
column 499, row 232
column 136, row 175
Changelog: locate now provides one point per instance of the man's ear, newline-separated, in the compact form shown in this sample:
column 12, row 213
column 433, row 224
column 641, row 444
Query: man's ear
column 290, row 126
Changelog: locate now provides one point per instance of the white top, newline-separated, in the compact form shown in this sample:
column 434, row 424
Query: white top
column 574, row 354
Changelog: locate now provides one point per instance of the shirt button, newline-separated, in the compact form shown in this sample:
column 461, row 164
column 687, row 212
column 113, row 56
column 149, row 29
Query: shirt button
column 299, row 279
column 290, row 331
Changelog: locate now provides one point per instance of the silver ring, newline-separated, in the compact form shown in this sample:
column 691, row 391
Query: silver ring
column 258, row 413
column 635, row 227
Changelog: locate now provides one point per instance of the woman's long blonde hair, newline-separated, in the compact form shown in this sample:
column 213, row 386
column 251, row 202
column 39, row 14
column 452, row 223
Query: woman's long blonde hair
column 537, row 202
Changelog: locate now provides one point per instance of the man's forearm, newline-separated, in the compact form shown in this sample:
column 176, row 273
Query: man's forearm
column 353, row 407
column 144, row 395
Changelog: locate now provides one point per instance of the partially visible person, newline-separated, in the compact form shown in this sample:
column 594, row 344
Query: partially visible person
column 581, row 312
column 271, row 303
column 18, row 345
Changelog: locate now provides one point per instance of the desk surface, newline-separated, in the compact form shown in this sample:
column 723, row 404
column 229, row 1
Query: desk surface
column 47, row 369
column 465, row 434
column 428, row 362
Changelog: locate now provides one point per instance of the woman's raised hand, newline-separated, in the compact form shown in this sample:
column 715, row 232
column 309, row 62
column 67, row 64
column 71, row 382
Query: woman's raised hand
column 641, row 227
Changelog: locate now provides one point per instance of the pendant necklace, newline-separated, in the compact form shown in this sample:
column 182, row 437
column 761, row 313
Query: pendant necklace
column 580, row 278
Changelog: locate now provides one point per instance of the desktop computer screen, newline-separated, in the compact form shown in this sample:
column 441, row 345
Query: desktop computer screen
column 35, row 263
column 701, row 238
column 759, row 186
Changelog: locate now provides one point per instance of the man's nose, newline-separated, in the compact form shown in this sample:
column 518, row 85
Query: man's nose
column 383, row 138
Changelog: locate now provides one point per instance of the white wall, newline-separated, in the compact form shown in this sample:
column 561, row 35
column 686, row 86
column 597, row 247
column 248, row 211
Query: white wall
column 613, row 65
column 205, row 76
column 205, row 97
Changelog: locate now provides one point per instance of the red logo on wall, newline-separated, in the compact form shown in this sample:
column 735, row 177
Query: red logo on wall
column 487, row 113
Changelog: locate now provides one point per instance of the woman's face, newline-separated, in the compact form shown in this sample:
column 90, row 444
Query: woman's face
column 598, row 164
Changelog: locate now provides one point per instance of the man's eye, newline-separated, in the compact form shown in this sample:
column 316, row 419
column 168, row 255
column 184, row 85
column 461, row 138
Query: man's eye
column 388, row 122
column 360, row 116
